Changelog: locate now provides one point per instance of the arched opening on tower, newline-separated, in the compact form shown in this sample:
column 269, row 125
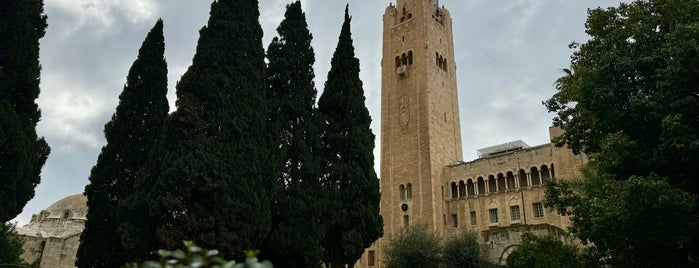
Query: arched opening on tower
column 481, row 185
column 545, row 175
column 471, row 189
column 523, row 179
column 501, row 182
column 462, row 189
column 536, row 177
column 454, row 191
column 510, row 180
column 492, row 184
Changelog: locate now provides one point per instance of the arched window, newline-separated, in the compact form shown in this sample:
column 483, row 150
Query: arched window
column 402, row 19
column 436, row 58
column 410, row 191
column 410, row 15
column 545, row 175
column 462, row 189
column 501, row 182
column 553, row 172
column 492, row 184
column 523, row 179
column 66, row 214
column 454, row 191
column 510, row 180
column 410, row 57
column 481, row 185
column 536, row 179
column 470, row 188
column 401, row 189
column 404, row 59
column 397, row 61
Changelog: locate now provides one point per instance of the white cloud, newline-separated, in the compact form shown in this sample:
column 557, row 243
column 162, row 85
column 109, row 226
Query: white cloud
column 101, row 15
column 70, row 117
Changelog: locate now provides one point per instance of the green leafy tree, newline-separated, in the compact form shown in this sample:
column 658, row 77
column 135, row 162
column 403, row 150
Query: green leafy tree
column 463, row 251
column 209, row 175
column 353, row 221
column 133, row 130
column 22, row 153
column 413, row 246
column 639, row 222
column 10, row 246
column 631, row 101
column 543, row 252
column 195, row 256
column 296, row 234
column 630, row 97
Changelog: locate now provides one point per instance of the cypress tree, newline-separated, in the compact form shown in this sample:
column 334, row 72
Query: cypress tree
column 133, row 130
column 353, row 216
column 22, row 153
column 210, row 173
column 295, row 237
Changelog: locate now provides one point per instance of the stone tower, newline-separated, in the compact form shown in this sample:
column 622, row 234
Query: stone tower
column 420, row 132
column 499, row 196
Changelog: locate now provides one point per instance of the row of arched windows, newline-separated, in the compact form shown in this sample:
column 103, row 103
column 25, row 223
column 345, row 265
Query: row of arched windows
column 441, row 61
column 406, row 191
column 404, row 59
column 502, row 182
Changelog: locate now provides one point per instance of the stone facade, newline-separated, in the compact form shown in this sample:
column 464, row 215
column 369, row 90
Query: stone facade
column 423, row 180
column 52, row 237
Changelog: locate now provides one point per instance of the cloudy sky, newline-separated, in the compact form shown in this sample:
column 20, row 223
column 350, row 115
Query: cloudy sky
column 508, row 55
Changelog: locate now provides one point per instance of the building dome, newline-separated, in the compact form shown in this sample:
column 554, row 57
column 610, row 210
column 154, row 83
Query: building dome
column 64, row 218
column 71, row 207
column 52, row 237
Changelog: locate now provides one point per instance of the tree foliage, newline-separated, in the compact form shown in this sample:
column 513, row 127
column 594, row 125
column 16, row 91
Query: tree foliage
column 211, row 169
column 639, row 222
column 544, row 252
column 134, row 128
column 631, row 101
column 195, row 256
column 463, row 251
column 353, row 220
column 414, row 246
column 631, row 96
column 298, row 200
column 22, row 153
column 10, row 246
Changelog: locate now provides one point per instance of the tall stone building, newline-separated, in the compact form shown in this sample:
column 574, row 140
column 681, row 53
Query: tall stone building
column 52, row 237
column 423, row 180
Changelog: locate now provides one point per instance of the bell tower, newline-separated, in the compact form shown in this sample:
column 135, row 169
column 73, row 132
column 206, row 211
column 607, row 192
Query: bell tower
column 420, row 132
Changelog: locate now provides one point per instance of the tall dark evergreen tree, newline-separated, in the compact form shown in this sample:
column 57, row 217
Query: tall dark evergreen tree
column 353, row 220
column 209, row 176
column 133, row 130
column 296, row 235
column 22, row 153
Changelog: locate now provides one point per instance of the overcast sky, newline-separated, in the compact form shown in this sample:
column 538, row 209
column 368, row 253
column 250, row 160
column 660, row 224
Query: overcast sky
column 508, row 55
